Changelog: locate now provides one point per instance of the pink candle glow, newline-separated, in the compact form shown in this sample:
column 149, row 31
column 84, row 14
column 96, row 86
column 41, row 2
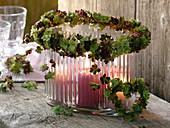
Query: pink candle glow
column 87, row 97
column 73, row 88
column 121, row 97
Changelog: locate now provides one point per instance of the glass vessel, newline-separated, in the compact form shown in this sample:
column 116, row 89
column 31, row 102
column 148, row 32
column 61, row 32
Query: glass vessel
column 71, row 84
column 4, row 35
column 16, row 15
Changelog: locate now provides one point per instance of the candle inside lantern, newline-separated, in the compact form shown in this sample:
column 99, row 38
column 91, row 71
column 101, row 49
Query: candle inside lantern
column 72, row 83
column 122, row 98
column 87, row 97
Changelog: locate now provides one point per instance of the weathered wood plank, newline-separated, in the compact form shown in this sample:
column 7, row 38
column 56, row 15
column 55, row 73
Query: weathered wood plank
column 116, row 8
column 72, row 5
column 153, row 62
column 21, row 108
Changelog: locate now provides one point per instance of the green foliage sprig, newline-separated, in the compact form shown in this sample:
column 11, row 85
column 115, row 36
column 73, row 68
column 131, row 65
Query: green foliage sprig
column 8, row 84
column 49, row 74
column 30, row 85
column 59, row 110
column 135, row 86
column 18, row 64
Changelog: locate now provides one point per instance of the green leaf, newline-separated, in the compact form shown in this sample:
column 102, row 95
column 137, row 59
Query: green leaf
column 94, row 85
column 56, row 19
column 73, row 45
column 53, row 64
column 30, row 85
column 142, row 28
column 44, row 67
column 47, row 35
column 104, row 79
column 116, row 82
column 58, row 110
column 94, row 69
column 86, row 38
column 107, row 93
column 137, row 109
column 18, row 64
column 69, row 112
column 64, row 43
column 94, row 46
column 129, row 116
column 28, row 51
column 8, row 84
column 126, row 90
column 39, row 49
column 146, row 94
column 50, row 75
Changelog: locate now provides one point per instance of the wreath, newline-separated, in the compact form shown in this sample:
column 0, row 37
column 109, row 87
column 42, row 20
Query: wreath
column 47, row 33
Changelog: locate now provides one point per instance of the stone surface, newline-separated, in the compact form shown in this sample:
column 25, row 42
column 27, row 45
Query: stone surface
column 20, row 108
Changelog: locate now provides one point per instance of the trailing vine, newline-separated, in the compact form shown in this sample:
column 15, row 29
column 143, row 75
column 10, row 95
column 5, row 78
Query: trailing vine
column 135, row 86
column 48, row 34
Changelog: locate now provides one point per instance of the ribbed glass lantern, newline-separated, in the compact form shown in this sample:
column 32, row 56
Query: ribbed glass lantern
column 71, row 84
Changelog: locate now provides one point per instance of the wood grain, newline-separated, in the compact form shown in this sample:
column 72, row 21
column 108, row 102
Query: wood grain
column 152, row 63
column 21, row 108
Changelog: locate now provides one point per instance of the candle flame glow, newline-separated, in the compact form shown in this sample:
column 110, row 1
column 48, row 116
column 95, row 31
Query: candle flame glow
column 87, row 62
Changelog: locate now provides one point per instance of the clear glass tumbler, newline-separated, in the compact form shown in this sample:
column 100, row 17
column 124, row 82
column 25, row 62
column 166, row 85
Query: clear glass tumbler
column 4, row 35
column 16, row 15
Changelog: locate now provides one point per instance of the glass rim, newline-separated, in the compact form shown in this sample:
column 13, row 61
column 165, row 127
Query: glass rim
column 24, row 10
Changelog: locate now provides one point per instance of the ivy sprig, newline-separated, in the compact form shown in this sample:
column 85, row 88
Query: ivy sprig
column 94, row 85
column 30, row 85
column 60, row 110
column 50, row 75
column 44, row 67
column 128, row 88
column 94, row 69
column 104, row 79
column 52, row 63
column 8, row 84
column 39, row 49
column 18, row 64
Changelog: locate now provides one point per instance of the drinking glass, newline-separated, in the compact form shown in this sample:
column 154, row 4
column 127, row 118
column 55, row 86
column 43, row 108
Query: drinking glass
column 16, row 15
column 4, row 35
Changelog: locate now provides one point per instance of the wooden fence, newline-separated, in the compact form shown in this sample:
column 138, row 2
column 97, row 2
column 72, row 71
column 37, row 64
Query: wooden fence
column 153, row 63
column 35, row 8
